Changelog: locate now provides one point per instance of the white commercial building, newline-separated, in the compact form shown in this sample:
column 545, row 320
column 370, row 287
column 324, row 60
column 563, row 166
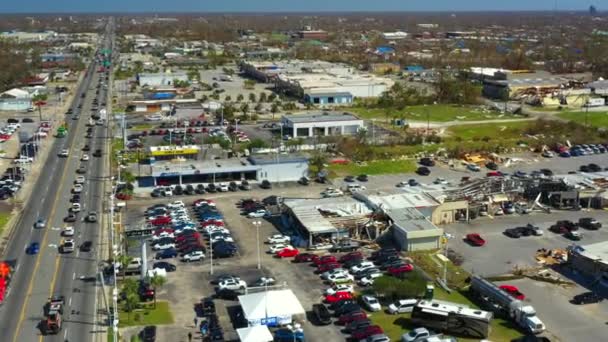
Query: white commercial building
column 161, row 79
column 394, row 35
column 321, row 124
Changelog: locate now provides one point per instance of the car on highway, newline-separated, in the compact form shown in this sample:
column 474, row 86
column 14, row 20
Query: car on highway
column 68, row 231
column 77, row 188
column 40, row 223
column 75, row 208
column 80, row 180
column 70, row 218
column 475, row 239
column 86, row 246
column 67, row 246
column 92, row 217
column 81, row 169
column 33, row 248
column 64, row 153
column 85, row 157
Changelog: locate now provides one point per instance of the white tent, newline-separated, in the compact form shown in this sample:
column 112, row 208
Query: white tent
column 271, row 307
column 258, row 333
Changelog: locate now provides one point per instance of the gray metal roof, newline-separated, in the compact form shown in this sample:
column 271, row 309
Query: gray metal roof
column 410, row 219
column 320, row 117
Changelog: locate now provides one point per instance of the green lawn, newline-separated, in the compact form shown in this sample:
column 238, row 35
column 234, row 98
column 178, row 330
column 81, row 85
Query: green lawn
column 143, row 126
column 503, row 130
column 396, row 325
column 4, row 218
column 147, row 315
column 436, row 113
column 376, row 167
column 596, row 119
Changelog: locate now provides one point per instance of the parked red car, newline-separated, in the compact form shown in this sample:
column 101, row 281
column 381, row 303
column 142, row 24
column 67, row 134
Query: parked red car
column 397, row 270
column 159, row 221
column 351, row 256
column 352, row 316
column 189, row 236
column 338, row 296
column 494, row 174
column 326, row 259
column 163, row 230
column 304, row 257
column 212, row 222
column 288, row 253
column 328, row 267
column 366, row 332
column 475, row 239
column 513, row 291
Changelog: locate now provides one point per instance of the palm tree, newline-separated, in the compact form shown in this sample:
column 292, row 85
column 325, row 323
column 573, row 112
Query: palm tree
column 131, row 303
column 124, row 261
column 240, row 98
column 157, row 282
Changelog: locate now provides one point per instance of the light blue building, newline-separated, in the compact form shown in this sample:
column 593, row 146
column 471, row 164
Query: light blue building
column 15, row 99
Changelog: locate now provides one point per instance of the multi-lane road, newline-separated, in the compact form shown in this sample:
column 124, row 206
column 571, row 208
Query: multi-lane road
column 37, row 277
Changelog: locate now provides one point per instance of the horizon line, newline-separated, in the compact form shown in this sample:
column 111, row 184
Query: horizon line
column 561, row 11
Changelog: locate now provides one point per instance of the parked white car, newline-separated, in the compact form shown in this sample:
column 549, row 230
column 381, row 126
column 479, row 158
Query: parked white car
column 369, row 279
column 257, row 213
column 23, row 160
column 279, row 246
column 371, row 303
column 162, row 235
column 193, row 256
column 335, row 271
column 278, row 238
column 362, row 266
column 331, row 192
column 402, row 306
column 221, row 237
column 339, row 288
column 161, row 246
column 232, row 284
column 340, row 279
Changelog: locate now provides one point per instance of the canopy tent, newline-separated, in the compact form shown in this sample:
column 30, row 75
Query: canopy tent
column 271, row 308
column 258, row 333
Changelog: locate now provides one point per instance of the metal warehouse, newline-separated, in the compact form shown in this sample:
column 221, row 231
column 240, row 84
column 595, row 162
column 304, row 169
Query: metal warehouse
column 321, row 124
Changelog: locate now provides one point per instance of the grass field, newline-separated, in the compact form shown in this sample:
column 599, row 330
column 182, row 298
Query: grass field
column 376, row 167
column 147, row 315
column 436, row 113
column 396, row 325
column 502, row 130
column 4, row 218
column 596, row 119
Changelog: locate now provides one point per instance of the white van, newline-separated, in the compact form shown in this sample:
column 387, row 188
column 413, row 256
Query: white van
column 352, row 188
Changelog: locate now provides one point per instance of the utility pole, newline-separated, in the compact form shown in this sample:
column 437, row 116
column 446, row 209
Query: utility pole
column 257, row 225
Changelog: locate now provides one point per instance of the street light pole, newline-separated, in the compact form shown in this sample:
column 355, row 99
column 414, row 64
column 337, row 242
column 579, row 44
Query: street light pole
column 257, row 225
column 211, row 255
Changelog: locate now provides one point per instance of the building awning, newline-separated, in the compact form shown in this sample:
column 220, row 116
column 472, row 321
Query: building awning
column 500, row 198
column 271, row 307
column 258, row 333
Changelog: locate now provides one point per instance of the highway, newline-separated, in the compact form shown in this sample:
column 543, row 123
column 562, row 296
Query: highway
column 39, row 276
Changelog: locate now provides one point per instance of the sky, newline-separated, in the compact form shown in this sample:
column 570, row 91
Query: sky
column 71, row 6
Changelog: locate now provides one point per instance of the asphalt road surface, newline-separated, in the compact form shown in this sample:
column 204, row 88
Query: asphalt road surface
column 39, row 276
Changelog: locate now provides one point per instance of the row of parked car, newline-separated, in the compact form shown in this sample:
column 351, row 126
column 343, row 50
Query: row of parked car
column 199, row 189
column 339, row 298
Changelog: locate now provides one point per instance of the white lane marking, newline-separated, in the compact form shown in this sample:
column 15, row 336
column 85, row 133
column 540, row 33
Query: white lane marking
column 70, row 302
column 73, row 275
column 65, row 334
column 52, row 245
column 77, row 252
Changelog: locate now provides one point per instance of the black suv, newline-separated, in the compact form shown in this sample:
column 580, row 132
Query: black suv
column 589, row 223
column 97, row 153
column 423, row 171
column 266, row 185
column 322, row 315
column 427, row 162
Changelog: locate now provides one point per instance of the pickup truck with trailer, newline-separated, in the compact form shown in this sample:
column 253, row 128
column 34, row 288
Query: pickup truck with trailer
column 499, row 301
